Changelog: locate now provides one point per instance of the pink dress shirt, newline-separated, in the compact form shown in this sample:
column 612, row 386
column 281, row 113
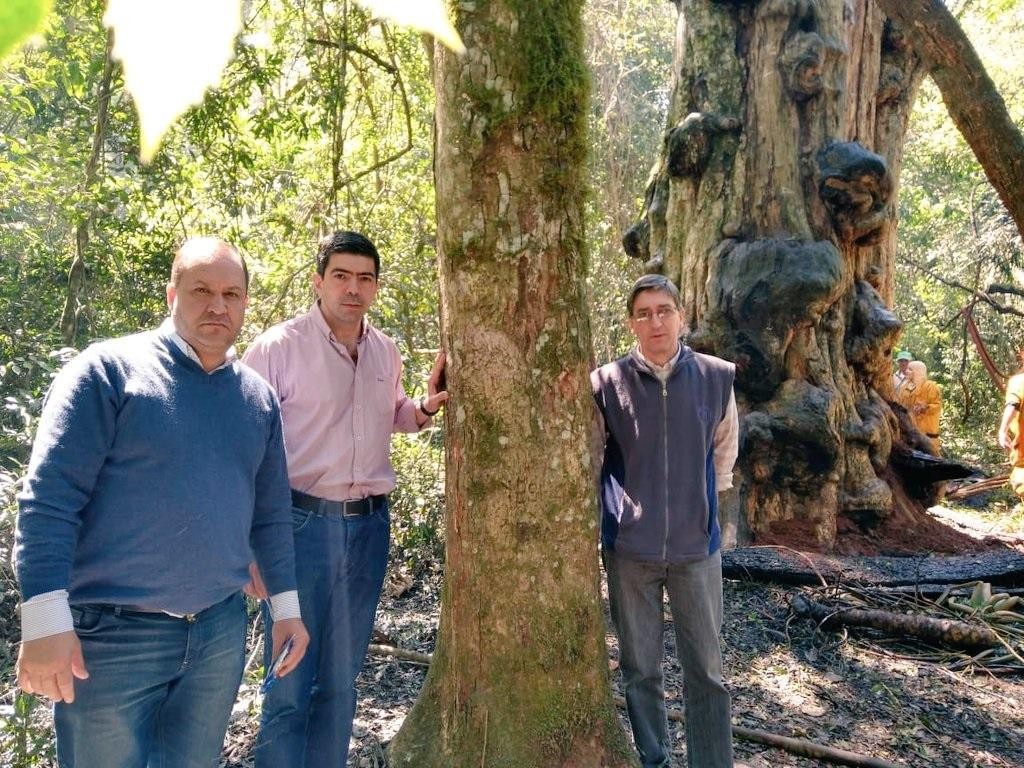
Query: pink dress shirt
column 338, row 415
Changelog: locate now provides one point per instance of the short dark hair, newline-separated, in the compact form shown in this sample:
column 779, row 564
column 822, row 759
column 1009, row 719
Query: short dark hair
column 346, row 241
column 215, row 242
column 653, row 283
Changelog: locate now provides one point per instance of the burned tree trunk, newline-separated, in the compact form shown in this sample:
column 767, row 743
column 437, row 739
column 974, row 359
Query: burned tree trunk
column 519, row 676
column 773, row 206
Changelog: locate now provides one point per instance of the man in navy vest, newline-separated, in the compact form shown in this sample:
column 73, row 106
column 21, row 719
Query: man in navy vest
column 158, row 470
column 671, row 434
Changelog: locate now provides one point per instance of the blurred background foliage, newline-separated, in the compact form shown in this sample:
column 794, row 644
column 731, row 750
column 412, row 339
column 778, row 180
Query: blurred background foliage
column 958, row 247
column 323, row 121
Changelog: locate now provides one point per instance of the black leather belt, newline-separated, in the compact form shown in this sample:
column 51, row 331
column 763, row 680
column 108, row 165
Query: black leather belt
column 932, row 434
column 329, row 508
column 139, row 610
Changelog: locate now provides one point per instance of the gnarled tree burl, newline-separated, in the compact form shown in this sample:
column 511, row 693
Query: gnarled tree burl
column 773, row 207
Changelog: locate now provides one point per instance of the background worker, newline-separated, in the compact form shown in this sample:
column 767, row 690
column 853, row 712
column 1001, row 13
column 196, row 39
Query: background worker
column 923, row 400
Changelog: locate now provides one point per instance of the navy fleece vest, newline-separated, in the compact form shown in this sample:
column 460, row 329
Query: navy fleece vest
column 658, row 494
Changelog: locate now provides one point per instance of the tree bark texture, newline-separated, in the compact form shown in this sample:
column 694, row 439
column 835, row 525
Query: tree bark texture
column 969, row 94
column 519, row 675
column 773, row 207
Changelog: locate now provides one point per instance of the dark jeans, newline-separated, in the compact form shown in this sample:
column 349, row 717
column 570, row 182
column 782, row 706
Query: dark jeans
column 340, row 565
column 635, row 592
column 159, row 691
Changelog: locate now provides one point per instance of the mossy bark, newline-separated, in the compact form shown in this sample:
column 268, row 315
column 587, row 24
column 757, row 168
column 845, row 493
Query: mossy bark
column 773, row 207
column 519, row 676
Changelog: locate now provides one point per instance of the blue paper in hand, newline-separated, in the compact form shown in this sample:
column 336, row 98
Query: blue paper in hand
column 271, row 675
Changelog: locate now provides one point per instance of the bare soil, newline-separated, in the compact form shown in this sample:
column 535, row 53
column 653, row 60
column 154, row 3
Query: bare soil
column 902, row 534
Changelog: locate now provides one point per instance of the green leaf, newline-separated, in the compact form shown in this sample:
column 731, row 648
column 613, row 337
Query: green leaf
column 24, row 106
column 18, row 20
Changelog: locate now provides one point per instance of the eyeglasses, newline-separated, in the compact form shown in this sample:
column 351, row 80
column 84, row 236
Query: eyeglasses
column 662, row 313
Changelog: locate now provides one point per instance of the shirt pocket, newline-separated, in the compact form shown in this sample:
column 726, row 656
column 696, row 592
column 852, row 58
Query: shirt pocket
column 384, row 396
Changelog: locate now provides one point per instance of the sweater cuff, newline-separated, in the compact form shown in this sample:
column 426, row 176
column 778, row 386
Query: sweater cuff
column 285, row 605
column 46, row 614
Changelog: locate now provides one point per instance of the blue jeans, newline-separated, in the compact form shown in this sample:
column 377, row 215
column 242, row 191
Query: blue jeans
column 635, row 593
column 339, row 566
column 160, row 688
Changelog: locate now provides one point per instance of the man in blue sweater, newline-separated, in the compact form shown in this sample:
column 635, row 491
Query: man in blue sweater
column 157, row 472
column 671, row 431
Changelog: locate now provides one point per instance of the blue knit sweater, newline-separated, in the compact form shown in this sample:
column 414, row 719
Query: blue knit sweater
column 152, row 483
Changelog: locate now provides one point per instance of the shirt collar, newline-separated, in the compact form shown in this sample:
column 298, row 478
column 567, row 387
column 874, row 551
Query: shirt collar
column 657, row 370
column 167, row 328
column 318, row 319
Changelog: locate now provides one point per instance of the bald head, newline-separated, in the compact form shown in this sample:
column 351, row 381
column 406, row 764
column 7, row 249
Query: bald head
column 207, row 295
column 205, row 250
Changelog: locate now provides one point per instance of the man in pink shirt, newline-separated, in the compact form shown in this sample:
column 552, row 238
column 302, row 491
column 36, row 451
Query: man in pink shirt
column 339, row 381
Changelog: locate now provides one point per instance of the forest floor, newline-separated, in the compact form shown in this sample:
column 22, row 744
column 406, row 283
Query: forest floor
column 858, row 691
column 855, row 693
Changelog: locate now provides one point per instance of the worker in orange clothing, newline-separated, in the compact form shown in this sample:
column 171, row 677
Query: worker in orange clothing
column 1010, row 429
column 923, row 400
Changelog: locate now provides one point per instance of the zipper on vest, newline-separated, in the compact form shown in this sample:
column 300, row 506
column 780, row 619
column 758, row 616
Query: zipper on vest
column 664, row 432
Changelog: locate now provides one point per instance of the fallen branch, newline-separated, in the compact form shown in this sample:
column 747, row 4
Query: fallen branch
column 1004, row 567
column 956, row 633
column 799, row 747
column 400, row 653
column 981, row 486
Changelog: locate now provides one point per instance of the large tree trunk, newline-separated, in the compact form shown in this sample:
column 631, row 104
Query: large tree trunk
column 773, row 206
column 519, row 675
